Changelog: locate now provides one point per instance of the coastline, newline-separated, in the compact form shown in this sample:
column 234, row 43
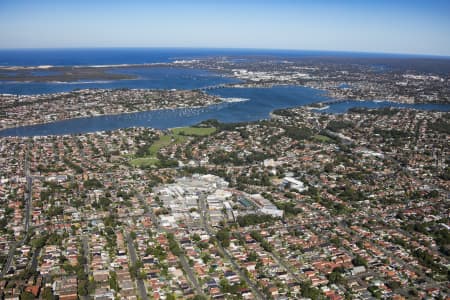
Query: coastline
column 115, row 114
column 101, row 74
column 313, row 107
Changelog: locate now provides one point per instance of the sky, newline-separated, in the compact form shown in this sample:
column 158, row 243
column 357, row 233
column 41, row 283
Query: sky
column 389, row 26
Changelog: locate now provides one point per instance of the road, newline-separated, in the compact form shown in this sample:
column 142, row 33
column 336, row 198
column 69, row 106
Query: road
column 204, row 218
column 280, row 261
column 8, row 262
column 28, row 204
column 27, row 200
column 190, row 274
column 133, row 258
column 34, row 260
column 183, row 260
column 86, row 254
column 127, row 217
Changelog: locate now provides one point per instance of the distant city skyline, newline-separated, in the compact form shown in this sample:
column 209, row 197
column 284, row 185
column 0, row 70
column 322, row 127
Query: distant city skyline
column 408, row 27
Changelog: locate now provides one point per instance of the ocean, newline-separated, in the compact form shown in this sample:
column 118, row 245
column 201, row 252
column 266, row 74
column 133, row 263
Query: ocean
column 113, row 56
column 261, row 102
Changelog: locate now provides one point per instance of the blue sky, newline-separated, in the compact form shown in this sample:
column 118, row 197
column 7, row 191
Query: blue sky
column 394, row 26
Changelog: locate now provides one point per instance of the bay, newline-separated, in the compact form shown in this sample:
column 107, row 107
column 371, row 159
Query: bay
column 342, row 107
column 261, row 101
column 146, row 78
column 258, row 106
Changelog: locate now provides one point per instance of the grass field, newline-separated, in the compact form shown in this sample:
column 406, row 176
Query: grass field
column 144, row 162
column 164, row 141
column 194, row 131
column 179, row 135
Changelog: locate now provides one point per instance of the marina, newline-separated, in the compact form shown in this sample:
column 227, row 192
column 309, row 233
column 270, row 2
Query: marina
column 246, row 104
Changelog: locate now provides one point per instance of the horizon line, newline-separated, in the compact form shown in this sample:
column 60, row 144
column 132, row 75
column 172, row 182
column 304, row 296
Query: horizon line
column 386, row 53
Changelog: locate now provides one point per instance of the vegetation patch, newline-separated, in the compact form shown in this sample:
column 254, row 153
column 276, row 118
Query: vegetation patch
column 322, row 138
column 165, row 141
column 194, row 131
column 149, row 157
column 144, row 162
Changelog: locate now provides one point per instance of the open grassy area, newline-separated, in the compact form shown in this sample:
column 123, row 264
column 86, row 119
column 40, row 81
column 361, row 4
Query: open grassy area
column 194, row 131
column 144, row 162
column 179, row 135
column 164, row 141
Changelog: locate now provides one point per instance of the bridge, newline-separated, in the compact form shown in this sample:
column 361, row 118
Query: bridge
column 215, row 87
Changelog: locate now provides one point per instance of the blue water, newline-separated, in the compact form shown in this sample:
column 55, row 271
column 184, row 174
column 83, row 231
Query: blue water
column 84, row 57
column 344, row 86
column 262, row 102
column 45, row 73
column 147, row 78
column 343, row 107
column 111, row 56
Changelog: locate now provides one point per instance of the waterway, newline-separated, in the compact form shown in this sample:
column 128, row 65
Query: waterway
column 261, row 102
column 342, row 107
column 145, row 78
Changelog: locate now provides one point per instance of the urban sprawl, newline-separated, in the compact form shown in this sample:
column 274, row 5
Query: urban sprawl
column 304, row 205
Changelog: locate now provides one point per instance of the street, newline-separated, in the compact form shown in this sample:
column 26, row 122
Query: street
column 183, row 260
column 133, row 259
column 27, row 200
column 204, row 217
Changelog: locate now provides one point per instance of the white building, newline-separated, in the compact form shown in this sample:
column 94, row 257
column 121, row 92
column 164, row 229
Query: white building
column 294, row 184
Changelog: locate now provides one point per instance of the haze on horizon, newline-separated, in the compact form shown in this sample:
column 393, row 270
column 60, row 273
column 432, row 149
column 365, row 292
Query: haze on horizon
column 402, row 26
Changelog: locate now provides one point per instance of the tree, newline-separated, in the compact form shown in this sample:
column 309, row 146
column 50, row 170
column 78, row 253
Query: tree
column 206, row 257
column 173, row 245
column 223, row 235
column 104, row 202
column 253, row 219
column 113, row 281
column 336, row 277
column 170, row 296
column 47, row 294
column 92, row 183
column 298, row 133
column 82, row 287
column 339, row 125
column 196, row 237
column 359, row 261
column 265, row 244
column 202, row 245
column 26, row 296
column 252, row 256
column 309, row 292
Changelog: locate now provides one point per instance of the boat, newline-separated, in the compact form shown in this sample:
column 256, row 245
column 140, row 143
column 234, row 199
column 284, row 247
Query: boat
column 233, row 100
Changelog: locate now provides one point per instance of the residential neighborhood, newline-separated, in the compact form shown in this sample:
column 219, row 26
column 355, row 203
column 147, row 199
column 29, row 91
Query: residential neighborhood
column 347, row 206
